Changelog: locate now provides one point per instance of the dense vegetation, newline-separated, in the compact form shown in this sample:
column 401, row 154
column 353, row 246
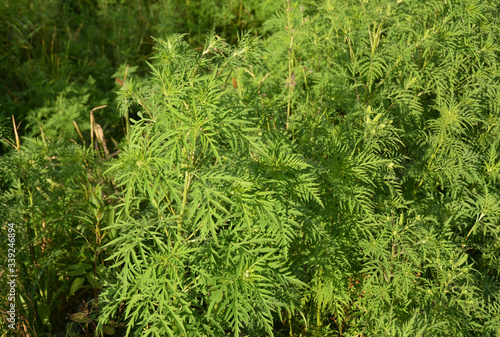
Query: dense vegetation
column 252, row 168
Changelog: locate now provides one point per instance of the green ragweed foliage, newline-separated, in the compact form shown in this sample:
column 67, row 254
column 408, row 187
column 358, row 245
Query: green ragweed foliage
column 339, row 177
column 52, row 194
column 395, row 104
column 210, row 202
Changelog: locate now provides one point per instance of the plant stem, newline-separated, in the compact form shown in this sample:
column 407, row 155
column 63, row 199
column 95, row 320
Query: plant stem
column 290, row 63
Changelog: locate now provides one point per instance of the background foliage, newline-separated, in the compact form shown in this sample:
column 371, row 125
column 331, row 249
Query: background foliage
column 332, row 172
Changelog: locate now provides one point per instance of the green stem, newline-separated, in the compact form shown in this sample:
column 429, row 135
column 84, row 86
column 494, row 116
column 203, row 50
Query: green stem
column 187, row 183
column 290, row 66
column 187, row 178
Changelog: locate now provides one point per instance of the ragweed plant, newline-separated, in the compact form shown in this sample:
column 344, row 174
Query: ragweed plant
column 210, row 202
column 396, row 109
column 52, row 194
column 339, row 177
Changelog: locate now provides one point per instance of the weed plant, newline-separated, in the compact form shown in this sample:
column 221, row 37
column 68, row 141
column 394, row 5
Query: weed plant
column 336, row 177
column 395, row 105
